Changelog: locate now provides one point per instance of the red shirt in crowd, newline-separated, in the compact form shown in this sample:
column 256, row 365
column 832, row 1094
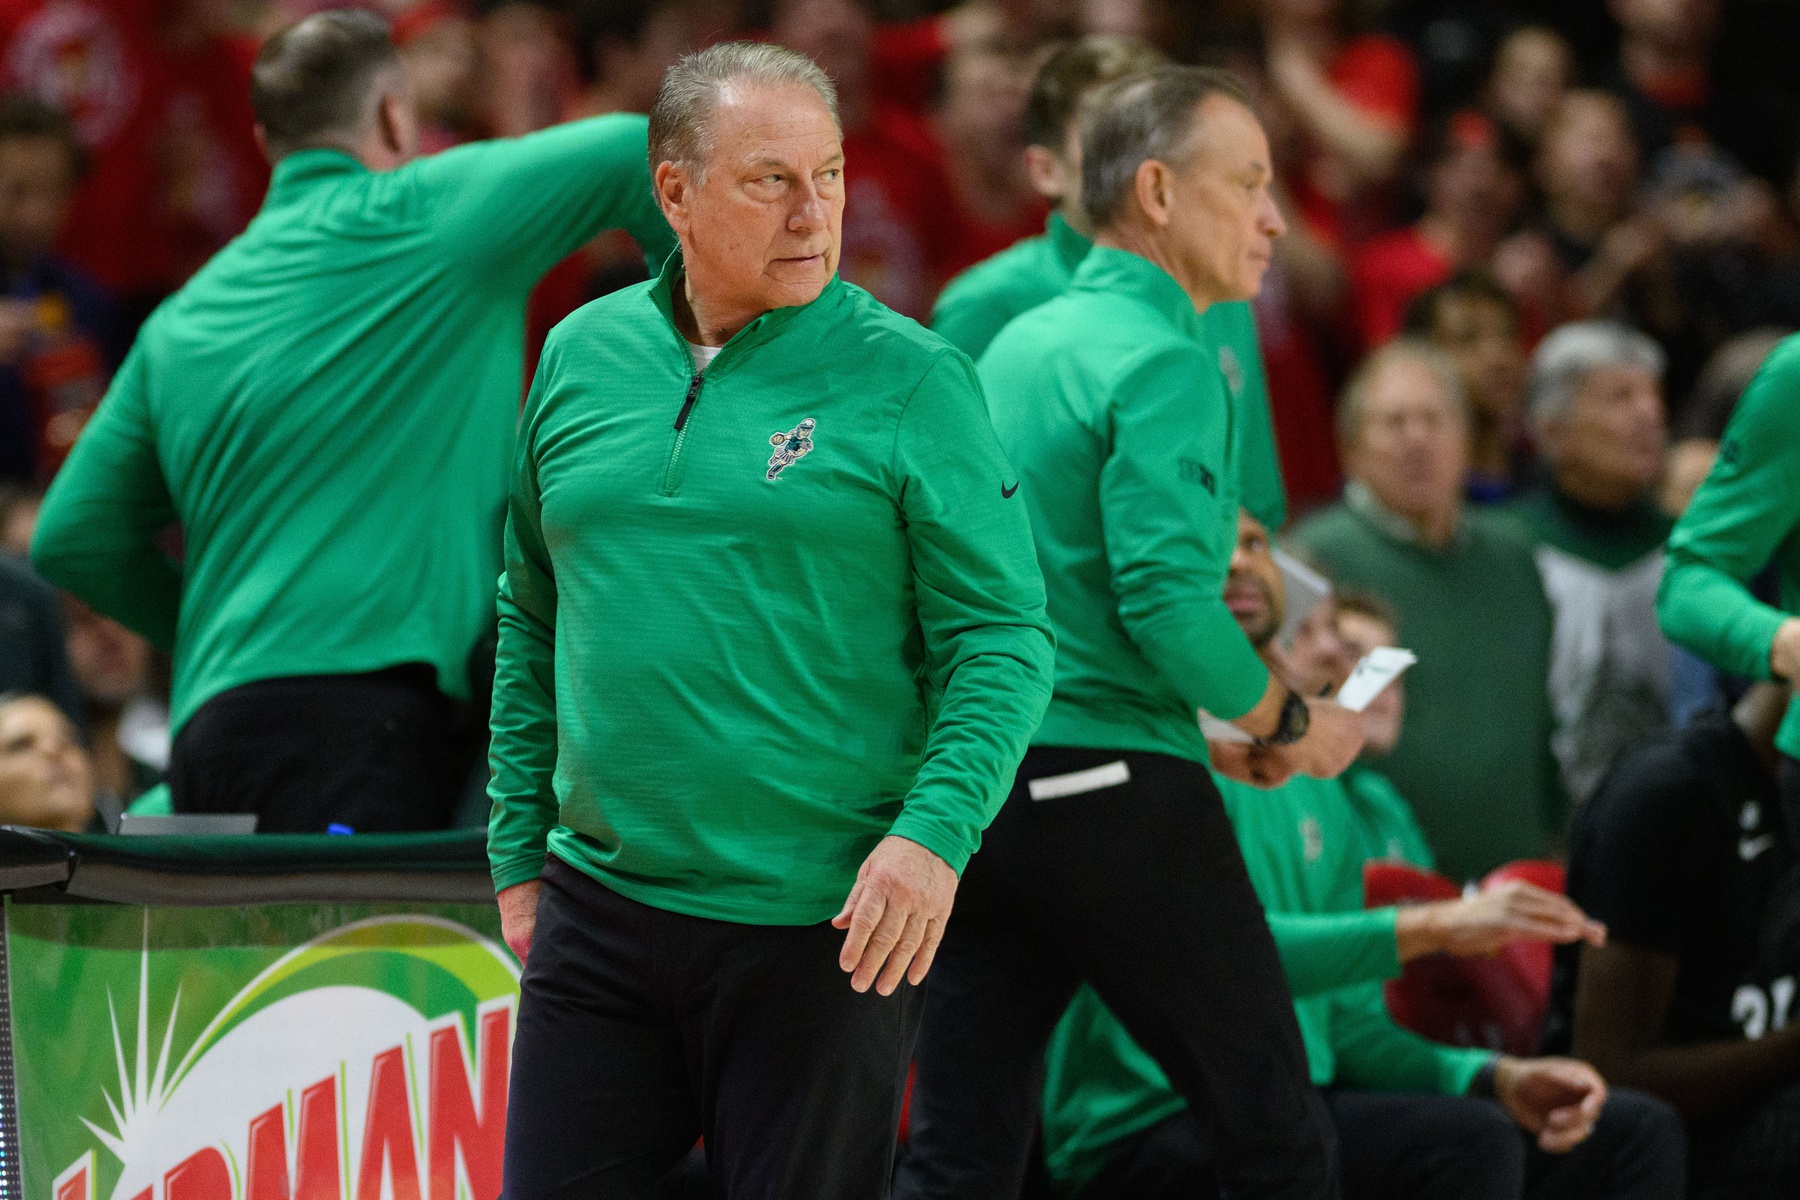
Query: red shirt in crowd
column 175, row 172
column 1386, row 273
column 1379, row 76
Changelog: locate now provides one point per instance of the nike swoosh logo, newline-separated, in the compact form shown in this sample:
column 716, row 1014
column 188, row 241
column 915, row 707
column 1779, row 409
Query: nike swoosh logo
column 1749, row 848
column 1006, row 493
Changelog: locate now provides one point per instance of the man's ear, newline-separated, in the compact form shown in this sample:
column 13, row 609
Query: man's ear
column 673, row 193
column 1154, row 185
column 1048, row 173
column 262, row 142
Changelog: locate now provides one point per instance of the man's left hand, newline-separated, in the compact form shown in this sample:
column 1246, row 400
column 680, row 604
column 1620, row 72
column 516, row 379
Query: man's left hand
column 1558, row 1099
column 895, row 915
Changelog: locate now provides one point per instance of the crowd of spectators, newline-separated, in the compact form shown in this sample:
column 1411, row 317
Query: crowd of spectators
column 1535, row 252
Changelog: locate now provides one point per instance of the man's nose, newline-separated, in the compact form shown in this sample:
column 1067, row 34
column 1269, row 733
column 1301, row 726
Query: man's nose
column 808, row 212
column 1270, row 220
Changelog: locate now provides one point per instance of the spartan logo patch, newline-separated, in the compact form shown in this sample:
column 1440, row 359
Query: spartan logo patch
column 790, row 447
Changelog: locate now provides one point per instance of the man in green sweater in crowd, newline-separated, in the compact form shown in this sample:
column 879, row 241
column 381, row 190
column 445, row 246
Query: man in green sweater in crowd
column 1112, row 861
column 1744, row 519
column 1475, row 759
column 977, row 304
column 327, row 410
column 1597, row 411
column 1414, row 1119
column 772, row 641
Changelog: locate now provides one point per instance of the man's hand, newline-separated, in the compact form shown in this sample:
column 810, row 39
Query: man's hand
column 1334, row 737
column 1514, row 912
column 1249, row 763
column 518, row 915
column 1784, row 653
column 895, row 915
column 1558, row 1099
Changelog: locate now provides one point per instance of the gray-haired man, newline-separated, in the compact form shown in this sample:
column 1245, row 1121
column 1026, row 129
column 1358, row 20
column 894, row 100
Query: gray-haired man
column 1113, row 862
column 1597, row 412
column 772, row 642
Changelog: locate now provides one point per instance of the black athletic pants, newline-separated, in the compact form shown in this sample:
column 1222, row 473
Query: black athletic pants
column 382, row 752
column 1394, row 1146
column 1138, row 888
column 641, row 1030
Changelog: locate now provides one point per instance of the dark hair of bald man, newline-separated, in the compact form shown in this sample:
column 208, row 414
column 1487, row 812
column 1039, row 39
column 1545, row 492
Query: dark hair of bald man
column 314, row 82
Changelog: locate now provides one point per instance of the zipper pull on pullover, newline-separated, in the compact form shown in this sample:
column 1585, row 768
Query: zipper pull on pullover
column 687, row 405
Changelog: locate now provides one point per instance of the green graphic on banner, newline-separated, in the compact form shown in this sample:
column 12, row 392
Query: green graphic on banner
column 278, row 1052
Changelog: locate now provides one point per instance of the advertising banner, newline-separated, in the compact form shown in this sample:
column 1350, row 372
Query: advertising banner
column 269, row 1052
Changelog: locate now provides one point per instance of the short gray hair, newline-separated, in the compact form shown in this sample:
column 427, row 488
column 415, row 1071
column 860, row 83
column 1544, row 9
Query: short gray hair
column 1564, row 360
column 681, row 118
column 1402, row 349
column 1139, row 119
column 313, row 83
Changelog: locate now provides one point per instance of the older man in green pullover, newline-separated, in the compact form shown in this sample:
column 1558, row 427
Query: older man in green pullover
column 1744, row 518
column 772, row 641
column 327, row 410
column 1112, row 860
column 977, row 304
column 1412, row 1117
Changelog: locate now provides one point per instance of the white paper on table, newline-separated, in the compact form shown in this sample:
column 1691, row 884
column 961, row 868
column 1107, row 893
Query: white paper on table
column 1372, row 675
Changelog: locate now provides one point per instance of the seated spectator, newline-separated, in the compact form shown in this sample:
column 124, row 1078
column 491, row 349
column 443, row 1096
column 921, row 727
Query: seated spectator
column 1597, row 410
column 436, row 40
column 1472, row 194
column 1475, row 759
column 46, row 781
column 1685, row 855
column 1386, row 822
column 1589, row 253
column 175, row 172
column 1476, row 322
column 979, row 122
column 127, row 722
column 623, row 47
column 1532, row 69
column 1413, row 1119
column 56, row 324
column 33, row 655
column 1354, row 100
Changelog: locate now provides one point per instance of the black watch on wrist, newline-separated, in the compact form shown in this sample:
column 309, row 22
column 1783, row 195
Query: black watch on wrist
column 1295, row 718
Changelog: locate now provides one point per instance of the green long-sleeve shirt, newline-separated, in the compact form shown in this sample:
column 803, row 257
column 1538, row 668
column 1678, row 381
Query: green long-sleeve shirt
column 1113, row 410
column 754, row 620
column 1303, row 846
column 1744, row 516
column 327, row 410
column 977, row 304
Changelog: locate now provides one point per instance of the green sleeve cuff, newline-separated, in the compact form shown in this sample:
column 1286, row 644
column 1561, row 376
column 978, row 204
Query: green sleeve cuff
column 1461, row 1067
column 512, row 871
column 935, row 836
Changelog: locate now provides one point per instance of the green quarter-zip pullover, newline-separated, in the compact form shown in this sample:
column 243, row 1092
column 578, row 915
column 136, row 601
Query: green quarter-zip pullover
column 1745, row 516
column 327, row 410
column 1111, row 405
column 755, row 619
column 977, row 304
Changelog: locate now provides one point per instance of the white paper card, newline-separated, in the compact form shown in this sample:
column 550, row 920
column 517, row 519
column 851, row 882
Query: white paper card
column 1381, row 667
column 1305, row 588
column 1221, row 731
